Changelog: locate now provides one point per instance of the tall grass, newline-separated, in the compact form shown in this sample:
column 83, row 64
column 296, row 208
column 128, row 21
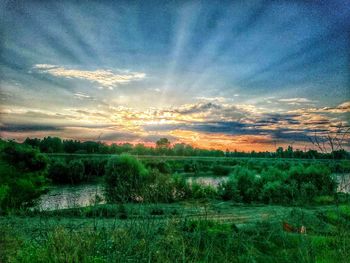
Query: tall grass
column 181, row 240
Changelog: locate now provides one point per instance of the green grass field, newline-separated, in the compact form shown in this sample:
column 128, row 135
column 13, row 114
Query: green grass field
column 196, row 232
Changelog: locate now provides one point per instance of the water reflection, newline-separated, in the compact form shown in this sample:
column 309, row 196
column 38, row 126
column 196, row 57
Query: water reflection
column 60, row 197
column 70, row 196
column 212, row 181
column 343, row 183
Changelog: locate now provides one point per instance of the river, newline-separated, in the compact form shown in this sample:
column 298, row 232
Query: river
column 70, row 196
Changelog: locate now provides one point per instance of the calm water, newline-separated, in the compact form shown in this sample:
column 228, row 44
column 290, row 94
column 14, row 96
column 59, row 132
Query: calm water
column 60, row 197
column 343, row 182
column 212, row 181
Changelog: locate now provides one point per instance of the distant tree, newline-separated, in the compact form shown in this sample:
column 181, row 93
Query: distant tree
column 163, row 143
column 140, row 149
column 90, row 147
column 179, row 149
column 71, row 146
column 163, row 146
column 290, row 152
column 332, row 141
column 35, row 142
column 279, row 152
column 51, row 145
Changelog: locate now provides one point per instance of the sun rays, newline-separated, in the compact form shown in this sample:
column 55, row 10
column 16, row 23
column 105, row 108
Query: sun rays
column 224, row 74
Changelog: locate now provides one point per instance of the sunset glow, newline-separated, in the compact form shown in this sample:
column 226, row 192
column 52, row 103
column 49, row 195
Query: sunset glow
column 244, row 75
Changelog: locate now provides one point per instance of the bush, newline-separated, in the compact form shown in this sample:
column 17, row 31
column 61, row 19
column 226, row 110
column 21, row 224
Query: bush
column 22, row 176
column 182, row 189
column 158, row 188
column 125, row 177
column 271, row 192
column 162, row 167
column 203, row 191
column 221, row 170
column 311, row 182
column 228, row 190
column 324, row 200
column 247, row 184
column 94, row 167
column 58, row 172
column 76, row 171
column 191, row 167
column 24, row 157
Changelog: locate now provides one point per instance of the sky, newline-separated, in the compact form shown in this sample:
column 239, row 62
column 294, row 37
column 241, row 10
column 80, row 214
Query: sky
column 244, row 75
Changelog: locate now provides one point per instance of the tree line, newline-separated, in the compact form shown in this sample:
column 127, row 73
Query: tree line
column 164, row 147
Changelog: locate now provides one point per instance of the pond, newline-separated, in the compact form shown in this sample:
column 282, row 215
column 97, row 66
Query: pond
column 70, row 196
column 206, row 180
column 61, row 197
column 343, row 182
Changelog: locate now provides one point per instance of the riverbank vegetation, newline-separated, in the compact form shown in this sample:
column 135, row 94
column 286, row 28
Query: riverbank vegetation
column 154, row 214
column 174, row 238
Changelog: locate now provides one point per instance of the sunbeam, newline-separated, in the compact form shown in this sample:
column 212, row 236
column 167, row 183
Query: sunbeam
column 242, row 69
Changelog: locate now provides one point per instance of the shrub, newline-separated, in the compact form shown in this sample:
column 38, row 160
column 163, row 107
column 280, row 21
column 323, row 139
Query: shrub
column 162, row 167
column 158, row 188
column 203, row 191
column 58, row 172
column 94, row 167
column 76, row 171
column 247, row 184
column 124, row 180
column 24, row 157
column 228, row 190
column 312, row 181
column 191, row 167
column 324, row 200
column 221, row 170
column 22, row 176
column 182, row 189
column 271, row 192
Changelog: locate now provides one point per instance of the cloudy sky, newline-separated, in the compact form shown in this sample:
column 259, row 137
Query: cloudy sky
column 245, row 75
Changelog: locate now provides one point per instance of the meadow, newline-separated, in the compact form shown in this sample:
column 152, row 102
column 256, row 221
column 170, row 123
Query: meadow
column 171, row 208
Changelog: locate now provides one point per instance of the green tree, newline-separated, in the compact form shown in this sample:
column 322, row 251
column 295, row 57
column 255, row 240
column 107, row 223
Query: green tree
column 22, row 176
column 163, row 143
column 51, row 145
column 125, row 177
column 76, row 171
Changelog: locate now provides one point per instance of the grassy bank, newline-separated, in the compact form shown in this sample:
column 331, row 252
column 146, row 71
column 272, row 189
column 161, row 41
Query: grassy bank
column 251, row 234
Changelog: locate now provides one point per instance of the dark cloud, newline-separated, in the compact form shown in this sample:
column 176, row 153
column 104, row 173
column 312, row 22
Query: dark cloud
column 119, row 136
column 198, row 108
column 28, row 128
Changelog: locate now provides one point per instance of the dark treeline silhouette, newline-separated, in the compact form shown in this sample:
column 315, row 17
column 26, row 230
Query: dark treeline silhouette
column 164, row 147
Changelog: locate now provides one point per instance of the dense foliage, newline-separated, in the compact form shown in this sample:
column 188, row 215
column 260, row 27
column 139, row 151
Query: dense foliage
column 164, row 147
column 125, row 179
column 119, row 234
column 22, row 175
column 299, row 184
column 281, row 181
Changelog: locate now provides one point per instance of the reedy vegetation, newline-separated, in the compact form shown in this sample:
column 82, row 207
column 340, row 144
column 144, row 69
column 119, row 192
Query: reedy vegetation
column 24, row 170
